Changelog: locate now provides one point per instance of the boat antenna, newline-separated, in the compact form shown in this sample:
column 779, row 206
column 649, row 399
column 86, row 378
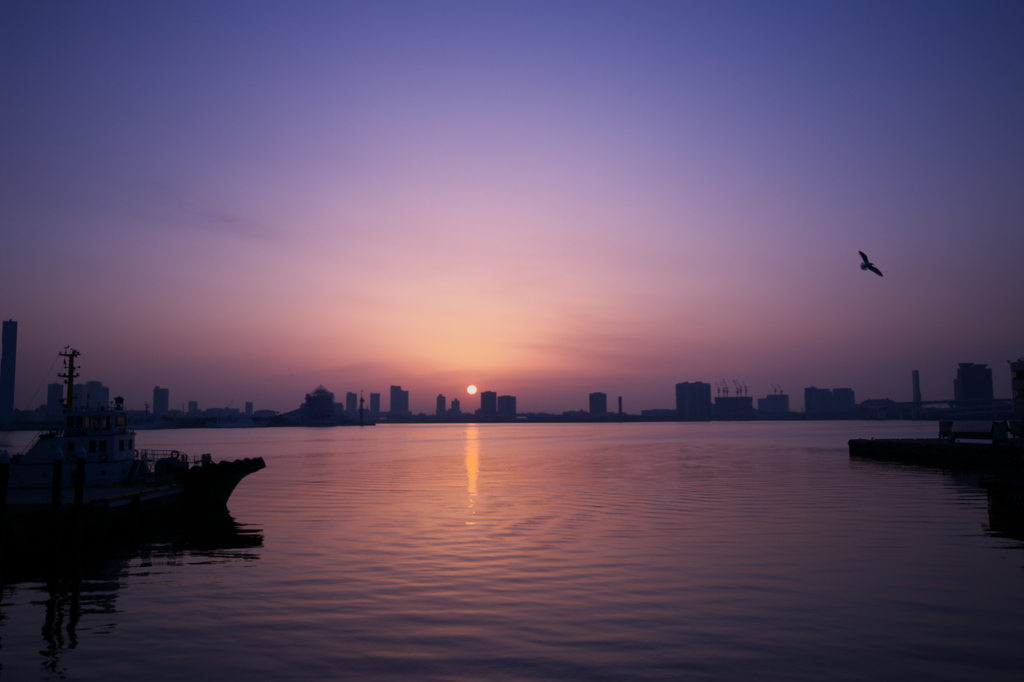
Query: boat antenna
column 69, row 356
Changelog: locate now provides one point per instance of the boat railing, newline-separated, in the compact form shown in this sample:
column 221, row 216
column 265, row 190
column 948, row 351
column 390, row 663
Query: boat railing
column 147, row 455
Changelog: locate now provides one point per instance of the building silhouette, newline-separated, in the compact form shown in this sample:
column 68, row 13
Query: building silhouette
column 973, row 385
column 823, row 402
column 488, row 404
column 54, row 399
column 818, row 401
column 8, row 361
column 352, row 403
column 374, row 405
column 1017, row 385
column 843, row 400
column 399, row 402
column 775, row 404
column 92, row 394
column 693, row 400
column 442, row 407
column 319, row 407
column 456, row 409
column 507, row 406
column 161, row 401
column 598, row 403
column 734, row 407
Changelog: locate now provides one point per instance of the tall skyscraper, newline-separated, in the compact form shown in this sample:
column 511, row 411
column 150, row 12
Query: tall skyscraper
column 456, row 408
column 161, row 401
column 973, row 385
column 488, row 404
column 442, row 405
column 843, row 400
column 54, row 399
column 8, row 355
column 598, row 403
column 506, row 406
column 693, row 400
column 352, row 404
column 818, row 400
column 399, row 402
column 374, row 405
column 1017, row 385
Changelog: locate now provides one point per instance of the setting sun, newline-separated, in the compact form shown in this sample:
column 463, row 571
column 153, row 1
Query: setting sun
column 471, row 390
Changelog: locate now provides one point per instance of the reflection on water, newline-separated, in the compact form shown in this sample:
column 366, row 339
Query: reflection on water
column 76, row 584
column 537, row 552
column 472, row 466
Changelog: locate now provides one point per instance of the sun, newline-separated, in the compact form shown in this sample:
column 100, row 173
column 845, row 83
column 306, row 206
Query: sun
column 471, row 390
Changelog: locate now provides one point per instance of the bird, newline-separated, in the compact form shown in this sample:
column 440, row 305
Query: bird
column 868, row 265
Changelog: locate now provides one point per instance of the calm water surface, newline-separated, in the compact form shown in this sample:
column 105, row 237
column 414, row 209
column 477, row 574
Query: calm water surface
column 539, row 552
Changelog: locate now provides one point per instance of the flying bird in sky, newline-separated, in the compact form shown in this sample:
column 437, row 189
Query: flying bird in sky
column 868, row 265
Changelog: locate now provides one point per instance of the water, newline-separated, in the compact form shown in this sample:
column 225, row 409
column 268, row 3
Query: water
column 541, row 552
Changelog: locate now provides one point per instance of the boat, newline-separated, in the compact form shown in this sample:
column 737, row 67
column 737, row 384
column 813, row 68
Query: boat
column 91, row 462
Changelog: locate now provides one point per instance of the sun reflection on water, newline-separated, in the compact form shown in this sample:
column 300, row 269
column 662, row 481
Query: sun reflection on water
column 472, row 467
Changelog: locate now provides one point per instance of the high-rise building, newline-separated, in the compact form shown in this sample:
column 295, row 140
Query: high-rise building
column 693, row 400
column 456, row 409
column 54, row 399
column 442, row 405
column 8, row 361
column 973, row 385
column 598, row 403
column 1017, row 385
column 92, row 394
column 399, row 402
column 843, row 400
column 488, row 404
column 248, row 408
column 818, row 401
column 351, row 403
column 506, row 406
column 193, row 408
column 161, row 401
column 374, row 405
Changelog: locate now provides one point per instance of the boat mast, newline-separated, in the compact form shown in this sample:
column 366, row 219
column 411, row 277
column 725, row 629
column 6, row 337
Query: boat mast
column 69, row 363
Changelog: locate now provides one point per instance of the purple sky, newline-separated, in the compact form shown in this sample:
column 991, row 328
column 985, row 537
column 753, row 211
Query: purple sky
column 242, row 200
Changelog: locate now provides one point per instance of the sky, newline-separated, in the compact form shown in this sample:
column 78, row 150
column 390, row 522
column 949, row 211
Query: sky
column 240, row 201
